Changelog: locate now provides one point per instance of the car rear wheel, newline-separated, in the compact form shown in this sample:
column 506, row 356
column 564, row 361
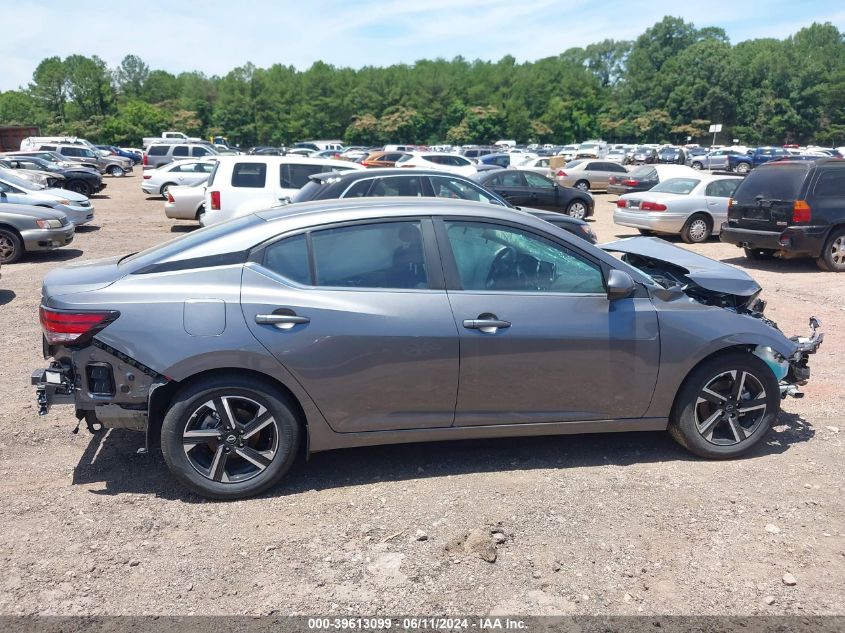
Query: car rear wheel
column 743, row 168
column 726, row 406
column 583, row 185
column 833, row 255
column 79, row 186
column 230, row 437
column 165, row 187
column 697, row 229
column 697, row 165
column 577, row 210
column 759, row 253
column 116, row 170
column 11, row 247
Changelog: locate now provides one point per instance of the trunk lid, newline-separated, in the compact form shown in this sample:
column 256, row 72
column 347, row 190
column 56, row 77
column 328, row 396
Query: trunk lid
column 765, row 199
column 80, row 277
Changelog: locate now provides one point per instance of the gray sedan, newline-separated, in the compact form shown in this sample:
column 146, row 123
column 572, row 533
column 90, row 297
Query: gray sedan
column 75, row 206
column 345, row 323
column 28, row 229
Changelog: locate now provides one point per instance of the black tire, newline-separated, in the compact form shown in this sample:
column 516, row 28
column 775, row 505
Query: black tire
column 694, row 417
column 697, row 229
column 583, row 185
column 11, row 246
column 189, row 408
column 697, row 165
column 79, row 186
column 832, row 259
column 116, row 170
column 742, row 168
column 758, row 254
column 577, row 209
column 165, row 187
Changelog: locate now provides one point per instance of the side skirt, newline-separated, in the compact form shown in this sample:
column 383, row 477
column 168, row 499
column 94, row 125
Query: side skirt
column 321, row 440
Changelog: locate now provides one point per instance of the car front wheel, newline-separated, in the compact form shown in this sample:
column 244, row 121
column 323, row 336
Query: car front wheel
column 117, row 171
column 11, row 247
column 726, row 406
column 577, row 210
column 230, row 437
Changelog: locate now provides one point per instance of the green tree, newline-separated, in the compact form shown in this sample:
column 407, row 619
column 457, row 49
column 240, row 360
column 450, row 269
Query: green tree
column 130, row 76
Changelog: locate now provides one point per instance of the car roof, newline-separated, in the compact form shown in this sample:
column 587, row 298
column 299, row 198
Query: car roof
column 350, row 174
column 306, row 160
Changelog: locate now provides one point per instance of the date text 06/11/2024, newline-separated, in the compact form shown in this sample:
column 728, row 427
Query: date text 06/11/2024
column 416, row 624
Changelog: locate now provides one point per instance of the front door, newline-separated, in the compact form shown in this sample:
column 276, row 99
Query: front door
column 364, row 324
column 540, row 342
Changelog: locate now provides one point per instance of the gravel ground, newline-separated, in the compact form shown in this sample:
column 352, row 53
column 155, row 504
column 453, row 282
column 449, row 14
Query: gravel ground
column 596, row 524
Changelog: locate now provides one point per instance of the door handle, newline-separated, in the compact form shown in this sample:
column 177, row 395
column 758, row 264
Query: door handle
column 281, row 321
column 488, row 326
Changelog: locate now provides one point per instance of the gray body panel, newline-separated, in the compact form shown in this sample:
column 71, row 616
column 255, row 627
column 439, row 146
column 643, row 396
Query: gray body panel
column 384, row 366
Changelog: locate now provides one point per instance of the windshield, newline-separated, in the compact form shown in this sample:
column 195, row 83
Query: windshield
column 682, row 186
column 20, row 183
column 588, row 145
column 778, row 182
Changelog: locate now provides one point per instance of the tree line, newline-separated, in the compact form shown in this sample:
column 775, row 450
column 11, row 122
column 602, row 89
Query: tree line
column 667, row 85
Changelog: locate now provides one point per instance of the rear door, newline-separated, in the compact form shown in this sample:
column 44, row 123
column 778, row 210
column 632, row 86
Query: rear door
column 358, row 313
column 717, row 194
column 512, row 186
column 764, row 200
column 542, row 191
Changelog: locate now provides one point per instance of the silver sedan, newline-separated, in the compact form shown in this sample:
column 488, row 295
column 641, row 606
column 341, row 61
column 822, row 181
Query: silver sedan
column 156, row 182
column 693, row 208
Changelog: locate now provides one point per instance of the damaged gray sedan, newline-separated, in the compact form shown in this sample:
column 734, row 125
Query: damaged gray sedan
column 346, row 323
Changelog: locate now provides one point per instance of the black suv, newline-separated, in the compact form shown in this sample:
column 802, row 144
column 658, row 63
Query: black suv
column 427, row 183
column 794, row 208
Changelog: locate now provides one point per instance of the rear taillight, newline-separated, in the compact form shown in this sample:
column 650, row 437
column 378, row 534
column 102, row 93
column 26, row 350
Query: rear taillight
column 800, row 211
column 147, row 176
column 215, row 201
column 560, row 173
column 621, row 203
column 170, row 197
column 652, row 206
column 146, row 160
column 731, row 203
column 66, row 326
column 630, row 182
column 612, row 180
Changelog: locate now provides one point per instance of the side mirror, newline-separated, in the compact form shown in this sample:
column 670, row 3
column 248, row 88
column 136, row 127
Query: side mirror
column 619, row 285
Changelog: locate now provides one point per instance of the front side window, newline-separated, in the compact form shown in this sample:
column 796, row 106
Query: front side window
column 384, row 255
column 251, row 175
column 455, row 188
column 536, row 180
column 495, row 257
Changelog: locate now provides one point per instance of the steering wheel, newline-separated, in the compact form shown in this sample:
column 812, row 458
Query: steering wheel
column 504, row 266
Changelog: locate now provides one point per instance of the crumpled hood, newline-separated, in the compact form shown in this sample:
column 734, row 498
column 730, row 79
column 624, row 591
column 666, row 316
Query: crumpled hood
column 707, row 273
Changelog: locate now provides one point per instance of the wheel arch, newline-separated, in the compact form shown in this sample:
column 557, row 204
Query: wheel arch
column 9, row 227
column 163, row 393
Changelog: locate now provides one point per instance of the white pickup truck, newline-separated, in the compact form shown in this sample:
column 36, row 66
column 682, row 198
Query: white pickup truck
column 170, row 137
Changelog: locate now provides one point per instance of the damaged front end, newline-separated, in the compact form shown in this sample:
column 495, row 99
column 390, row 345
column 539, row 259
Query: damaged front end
column 681, row 272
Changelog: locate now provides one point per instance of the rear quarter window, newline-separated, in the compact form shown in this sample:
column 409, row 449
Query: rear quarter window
column 830, row 184
column 249, row 175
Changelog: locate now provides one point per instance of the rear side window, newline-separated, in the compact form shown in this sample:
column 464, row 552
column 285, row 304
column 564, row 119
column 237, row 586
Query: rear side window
column 289, row 259
column 409, row 186
column 831, row 184
column 385, row 255
column 644, row 173
column 447, row 187
column 778, row 182
column 180, row 150
column 722, row 188
column 158, row 150
column 252, row 175
column 48, row 148
column 358, row 190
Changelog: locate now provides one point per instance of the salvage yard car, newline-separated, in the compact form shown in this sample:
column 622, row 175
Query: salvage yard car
column 27, row 229
column 17, row 190
column 346, row 323
column 693, row 208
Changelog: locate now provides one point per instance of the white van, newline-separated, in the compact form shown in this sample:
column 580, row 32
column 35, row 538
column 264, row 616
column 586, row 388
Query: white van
column 243, row 184
column 33, row 143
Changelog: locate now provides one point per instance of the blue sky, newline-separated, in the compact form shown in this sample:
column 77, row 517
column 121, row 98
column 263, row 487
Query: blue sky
column 215, row 37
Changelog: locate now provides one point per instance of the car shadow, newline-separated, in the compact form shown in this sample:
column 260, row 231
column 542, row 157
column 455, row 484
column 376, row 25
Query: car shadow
column 111, row 459
column 87, row 228
column 6, row 296
column 99, row 196
column 776, row 264
column 58, row 255
column 184, row 228
column 155, row 198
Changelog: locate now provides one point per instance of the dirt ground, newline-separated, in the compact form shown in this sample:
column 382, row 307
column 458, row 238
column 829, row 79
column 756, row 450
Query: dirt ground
column 595, row 524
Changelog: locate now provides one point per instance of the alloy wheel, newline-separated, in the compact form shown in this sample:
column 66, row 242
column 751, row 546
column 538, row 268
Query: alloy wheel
column 577, row 210
column 698, row 230
column 231, row 439
column 7, row 247
column 837, row 251
column 730, row 407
